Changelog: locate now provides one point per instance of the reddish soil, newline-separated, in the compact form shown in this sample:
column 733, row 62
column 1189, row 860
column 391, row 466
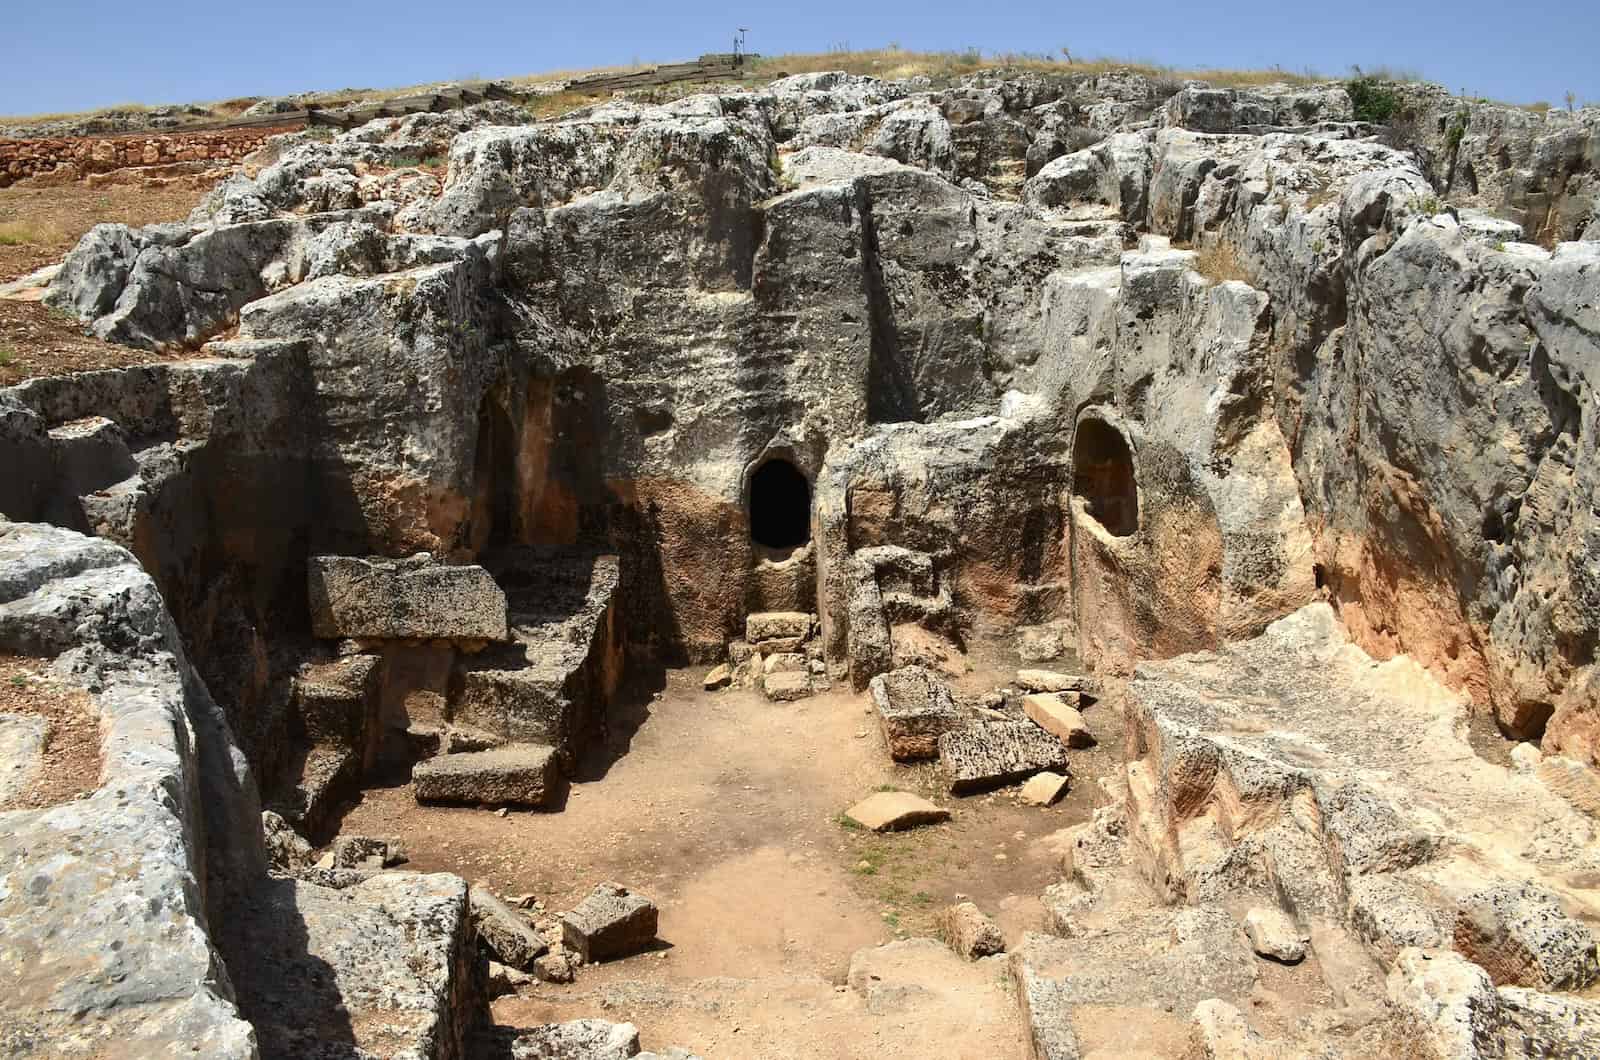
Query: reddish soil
column 725, row 809
column 70, row 764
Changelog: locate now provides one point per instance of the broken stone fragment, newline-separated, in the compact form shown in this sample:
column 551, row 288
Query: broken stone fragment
column 786, row 686
column 1043, row 789
column 355, row 851
column 970, row 933
column 1273, row 933
column 352, row 596
column 1050, row 681
column 914, row 708
column 515, row 775
column 776, row 625
column 1054, row 713
column 721, row 676
column 889, row 811
column 506, row 933
column 287, row 851
column 506, row 980
column 553, row 968
column 784, row 663
column 988, row 756
column 1521, row 936
column 611, row 922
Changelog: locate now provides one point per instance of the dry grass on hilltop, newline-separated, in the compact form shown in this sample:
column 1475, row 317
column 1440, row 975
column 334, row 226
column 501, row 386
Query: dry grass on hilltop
column 888, row 62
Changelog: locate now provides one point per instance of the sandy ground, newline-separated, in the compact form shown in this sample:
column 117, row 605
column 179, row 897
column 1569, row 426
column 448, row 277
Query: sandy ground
column 724, row 809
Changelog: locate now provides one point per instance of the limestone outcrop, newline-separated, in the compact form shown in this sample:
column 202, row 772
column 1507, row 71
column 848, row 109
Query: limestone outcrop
column 1283, row 423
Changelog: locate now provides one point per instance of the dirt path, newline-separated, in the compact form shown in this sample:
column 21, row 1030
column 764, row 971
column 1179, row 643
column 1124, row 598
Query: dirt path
column 725, row 810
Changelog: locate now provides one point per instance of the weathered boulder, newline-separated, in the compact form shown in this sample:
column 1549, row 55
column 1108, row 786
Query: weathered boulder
column 99, row 902
column 1521, row 936
column 386, row 965
column 1447, row 1003
column 1273, row 933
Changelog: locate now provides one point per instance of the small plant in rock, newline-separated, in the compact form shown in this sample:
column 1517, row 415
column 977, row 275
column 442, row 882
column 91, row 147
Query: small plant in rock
column 1457, row 130
column 1371, row 100
column 7, row 355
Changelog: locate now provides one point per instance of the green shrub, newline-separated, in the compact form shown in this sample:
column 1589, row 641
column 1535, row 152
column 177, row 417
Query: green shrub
column 1457, row 130
column 1371, row 100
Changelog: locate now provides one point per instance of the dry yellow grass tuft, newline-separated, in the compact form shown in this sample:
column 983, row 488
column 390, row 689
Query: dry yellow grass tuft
column 1219, row 262
column 24, row 234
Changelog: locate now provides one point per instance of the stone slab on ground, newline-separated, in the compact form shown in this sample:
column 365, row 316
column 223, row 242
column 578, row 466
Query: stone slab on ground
column 786, row 686
column 383, row 966
column 988, row 756
column 611, row 922
column 586, row 1039
column 1057, row 714
column 1043, row 789
column 889, row 811
column 1051, row 681
column 506, row 933
column 718, row 677
column 513, row 775
column 914, row 708
column 354, row 596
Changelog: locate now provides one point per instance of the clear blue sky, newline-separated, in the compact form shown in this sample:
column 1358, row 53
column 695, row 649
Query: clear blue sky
column 58, row 55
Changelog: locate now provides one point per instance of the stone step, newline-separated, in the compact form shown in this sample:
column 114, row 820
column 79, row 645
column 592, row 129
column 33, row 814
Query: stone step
column 313, row 784
column 551, row 684
column 514, row 775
